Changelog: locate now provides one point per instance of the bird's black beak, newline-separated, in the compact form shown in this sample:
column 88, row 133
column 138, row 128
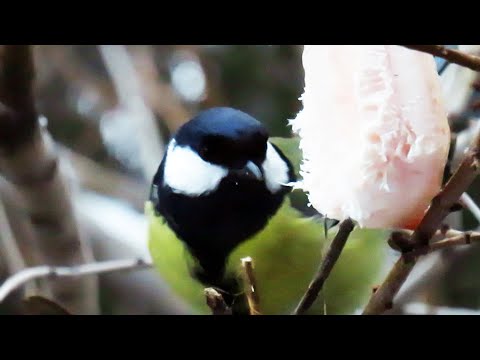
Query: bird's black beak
column 250, row 171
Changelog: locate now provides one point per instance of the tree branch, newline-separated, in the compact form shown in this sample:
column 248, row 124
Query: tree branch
column 251, row 286
column 29, row 161
column 333, row 253
column 453, row 56
column 26, row 275
column 465, row 238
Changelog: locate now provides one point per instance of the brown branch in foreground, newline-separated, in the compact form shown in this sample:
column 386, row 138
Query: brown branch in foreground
column 251, row 286
column 29, row 162
column 216, row 303
column 333, row 253
column 382, row 299
column 462, row 239
column 438, row 268
column 453, row 56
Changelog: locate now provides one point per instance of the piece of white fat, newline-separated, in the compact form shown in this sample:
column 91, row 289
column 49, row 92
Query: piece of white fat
column 374, row 133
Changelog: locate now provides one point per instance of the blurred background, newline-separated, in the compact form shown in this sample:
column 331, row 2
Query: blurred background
column 112, row 108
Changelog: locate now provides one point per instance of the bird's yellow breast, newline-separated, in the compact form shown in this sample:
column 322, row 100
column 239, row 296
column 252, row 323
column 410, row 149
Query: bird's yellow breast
column 286, row 255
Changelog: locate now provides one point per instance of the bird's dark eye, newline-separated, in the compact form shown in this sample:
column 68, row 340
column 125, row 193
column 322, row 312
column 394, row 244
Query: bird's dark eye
column 204, row 150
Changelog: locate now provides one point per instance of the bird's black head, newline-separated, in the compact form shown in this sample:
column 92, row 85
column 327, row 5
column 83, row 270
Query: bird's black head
column 225, row 137
column 218, row 184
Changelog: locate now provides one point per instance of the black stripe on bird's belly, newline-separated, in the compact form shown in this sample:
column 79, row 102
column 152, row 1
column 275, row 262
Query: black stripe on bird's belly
column 214, row 224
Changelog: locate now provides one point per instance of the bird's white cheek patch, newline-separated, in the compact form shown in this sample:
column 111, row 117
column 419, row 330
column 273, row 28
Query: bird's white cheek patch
column 275, row 170
column 187, row 173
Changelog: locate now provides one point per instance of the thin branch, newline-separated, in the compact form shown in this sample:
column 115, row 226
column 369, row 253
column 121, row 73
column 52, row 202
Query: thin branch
column 427, row 280
column 333, row 253
column 251, row 286
column 26, row 275
column 453, row 56
column 383, row 301
column 216, row 303
column 468, row 202
column 462, row 239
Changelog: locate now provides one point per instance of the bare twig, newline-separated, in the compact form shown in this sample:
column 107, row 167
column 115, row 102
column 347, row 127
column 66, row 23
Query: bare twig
column 453, row 56
column 462, row 239
column 251, row 286
column 402, row 268
column 331, row 257
column 26, row 275
column 29, row 161
column 216, row 303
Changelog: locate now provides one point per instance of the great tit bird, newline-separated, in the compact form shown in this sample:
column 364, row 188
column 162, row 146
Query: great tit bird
column 219, row 195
